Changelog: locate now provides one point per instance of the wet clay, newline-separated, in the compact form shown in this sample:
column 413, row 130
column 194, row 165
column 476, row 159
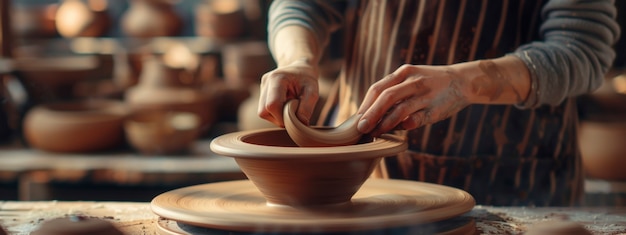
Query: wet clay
column 306, row 136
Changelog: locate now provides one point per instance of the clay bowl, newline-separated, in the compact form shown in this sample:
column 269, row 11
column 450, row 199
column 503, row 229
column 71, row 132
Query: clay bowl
column 161, row 131
column 602, row 148
column 75, row 126
column 304, row 176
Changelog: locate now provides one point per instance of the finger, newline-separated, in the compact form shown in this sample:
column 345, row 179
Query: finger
column 377, row 88
column 272, row 98
column 416, row 120
column 400, row 113
column 407, row 92
column 308, row 100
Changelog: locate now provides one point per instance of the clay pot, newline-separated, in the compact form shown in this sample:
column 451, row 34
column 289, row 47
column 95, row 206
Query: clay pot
column 304, row 176
column 151, row 18
column 75, row 126
column 52, row 78
column 162, row 132
column 602, row 147
column 160, row 88
column 77, row 225
column 222, row 19
column 78, row 18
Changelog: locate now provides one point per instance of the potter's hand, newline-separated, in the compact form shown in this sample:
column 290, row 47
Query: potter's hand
column 297, row 80
column 411, row 97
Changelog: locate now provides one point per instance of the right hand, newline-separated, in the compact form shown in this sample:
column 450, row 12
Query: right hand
column 297, row 80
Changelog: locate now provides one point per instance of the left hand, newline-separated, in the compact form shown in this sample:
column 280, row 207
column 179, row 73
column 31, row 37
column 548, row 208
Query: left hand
column 411, row 97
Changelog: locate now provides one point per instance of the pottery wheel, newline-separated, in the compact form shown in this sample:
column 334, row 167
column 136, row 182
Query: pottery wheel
column 379, row 204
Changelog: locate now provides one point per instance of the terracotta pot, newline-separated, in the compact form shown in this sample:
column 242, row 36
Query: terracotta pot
column 151, row 18
column 304, row 176
column 222, row 19
column 159, row 87
column 52, row 78
column 76, row 126
column 80, row 18
column 603, row 148
column 162, row 132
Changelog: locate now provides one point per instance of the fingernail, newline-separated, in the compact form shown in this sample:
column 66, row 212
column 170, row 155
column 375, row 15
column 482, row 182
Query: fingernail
column 362, row 126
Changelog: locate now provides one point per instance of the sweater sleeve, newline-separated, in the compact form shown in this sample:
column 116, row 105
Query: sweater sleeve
column 575, row 50
column 317, row 16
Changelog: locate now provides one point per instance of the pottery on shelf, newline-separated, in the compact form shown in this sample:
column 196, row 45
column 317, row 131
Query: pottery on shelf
column 244, row 63
column 151, row 18
column 602, row 147
column 160, row 87
column 75, row 225
column 162, row 132
column 304, row 176
column 75, row 126
column 222, row 19
column 82, row 18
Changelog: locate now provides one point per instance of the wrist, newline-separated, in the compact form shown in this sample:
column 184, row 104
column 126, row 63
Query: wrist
column 504, row 80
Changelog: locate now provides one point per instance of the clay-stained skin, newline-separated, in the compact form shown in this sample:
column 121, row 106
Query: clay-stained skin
column 494, row 83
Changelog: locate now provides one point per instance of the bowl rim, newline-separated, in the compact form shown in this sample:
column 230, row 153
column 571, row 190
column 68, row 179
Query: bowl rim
column 232, row 145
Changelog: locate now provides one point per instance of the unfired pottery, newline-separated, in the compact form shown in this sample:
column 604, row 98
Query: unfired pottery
column 162, row 132
column 151, row 18
column 303, row 176
column 602, row 147
column 239, row 206
column 306, row 136
column 77, row 225
column 81, row 18
column 75, row 126
column 222, row 19
column 159, row 87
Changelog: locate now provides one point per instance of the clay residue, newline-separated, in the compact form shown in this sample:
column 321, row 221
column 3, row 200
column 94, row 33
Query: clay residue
column 493, row 83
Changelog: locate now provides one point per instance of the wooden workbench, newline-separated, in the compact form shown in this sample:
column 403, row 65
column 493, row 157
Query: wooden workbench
column 20, row 218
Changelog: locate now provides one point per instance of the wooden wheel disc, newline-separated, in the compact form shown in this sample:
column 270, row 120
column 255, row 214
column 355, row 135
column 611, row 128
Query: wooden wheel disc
column 379, row 204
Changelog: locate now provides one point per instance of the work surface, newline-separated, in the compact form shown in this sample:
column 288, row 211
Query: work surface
column 21, row 217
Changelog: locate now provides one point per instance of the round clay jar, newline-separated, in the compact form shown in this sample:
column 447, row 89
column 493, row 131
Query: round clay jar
column 75, row 126
column 162, row 132
column 77, row 225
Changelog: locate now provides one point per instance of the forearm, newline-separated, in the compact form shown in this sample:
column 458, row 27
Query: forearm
column 575, row 51
column 295, row 43
column 504, row 80
column 299, row 30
